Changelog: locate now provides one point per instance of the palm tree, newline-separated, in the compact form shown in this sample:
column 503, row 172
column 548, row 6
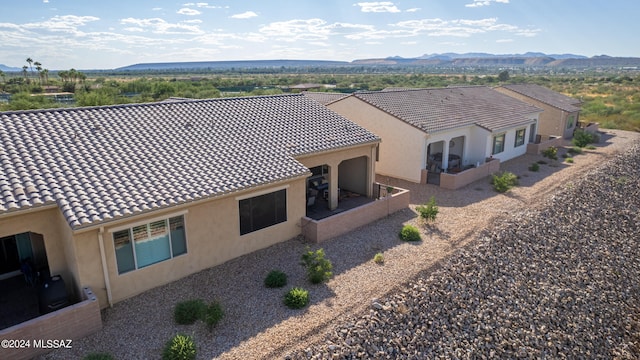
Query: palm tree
column 30, row 62
column 24, row 73
column 39, row 69
column 45, row 74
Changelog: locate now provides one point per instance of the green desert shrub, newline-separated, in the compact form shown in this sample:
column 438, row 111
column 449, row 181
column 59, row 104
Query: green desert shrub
column 504, row 181
column 275, row 279
column 213, row 314
column 534, row 167
column 582, row 138
column 187, row 312
column 551, row 153
column 428, row 211
column 99, row 356
column 410, row 233
column 378, row 258
column 180, row 347
column 296, row 298
column 590, row 147
column 318, row 268
column 575, row 150
column 569, row 160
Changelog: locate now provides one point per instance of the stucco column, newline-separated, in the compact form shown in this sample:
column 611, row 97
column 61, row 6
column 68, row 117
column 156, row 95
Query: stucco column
column 445, row 154
column 333, row 186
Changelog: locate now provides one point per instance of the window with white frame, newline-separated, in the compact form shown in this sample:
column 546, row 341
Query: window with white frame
column 498, row 144
column 519, row 137
column 150, row 243
column 262, row 211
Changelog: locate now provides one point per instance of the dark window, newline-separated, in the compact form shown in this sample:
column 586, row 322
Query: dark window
column 263, row 211
column 519, row 137
column 498, row 144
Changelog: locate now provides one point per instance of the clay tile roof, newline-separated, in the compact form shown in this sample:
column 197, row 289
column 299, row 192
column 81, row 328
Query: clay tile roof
column 102, row 163
column 546, row 96
column 441, row 109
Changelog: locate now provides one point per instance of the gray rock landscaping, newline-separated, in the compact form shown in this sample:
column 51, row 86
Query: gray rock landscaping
column 558, row 281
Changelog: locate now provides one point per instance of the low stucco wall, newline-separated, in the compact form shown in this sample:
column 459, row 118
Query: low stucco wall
column 71, row 323
column 456, row 181
column 547, row 142
column 322, row 230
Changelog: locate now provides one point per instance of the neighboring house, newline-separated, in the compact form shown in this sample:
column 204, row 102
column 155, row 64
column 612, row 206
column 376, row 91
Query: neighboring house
column 561, row 112
column 325, row 98
column 125, row 198
column 441, row 129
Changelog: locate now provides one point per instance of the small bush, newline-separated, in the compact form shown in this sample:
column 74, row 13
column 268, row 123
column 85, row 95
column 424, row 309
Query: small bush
column 534, row 167
column 569, row 160
column 504, row 181
column 275, row 279
column 296, row 298
column 318, row 268
column 428, row 211
column 410, row 233
column 575, row 150
column 542, row 162
column 582, row 138
column 187, row 312
column 590, row 147
column 213, row 315
column 99, row 356
column 551, row 153
column 180, row 347
column 378, row 258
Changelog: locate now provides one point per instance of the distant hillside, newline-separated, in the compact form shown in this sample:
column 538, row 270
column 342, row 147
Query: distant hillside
column 222, row 65
column 6, row 68
column 490, row 60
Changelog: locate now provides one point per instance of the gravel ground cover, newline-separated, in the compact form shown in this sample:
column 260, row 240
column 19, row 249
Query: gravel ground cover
column 560, row 282
column 548, row 269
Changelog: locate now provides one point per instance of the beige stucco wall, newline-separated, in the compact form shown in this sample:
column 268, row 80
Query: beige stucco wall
column 213, row 237
column 552, row 121
column 402, row 151
column 510, row 150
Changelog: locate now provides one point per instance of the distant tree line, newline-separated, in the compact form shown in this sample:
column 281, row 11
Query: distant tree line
column 612, row 99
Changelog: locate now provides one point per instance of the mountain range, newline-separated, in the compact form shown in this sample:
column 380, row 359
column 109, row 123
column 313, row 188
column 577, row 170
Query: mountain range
column 529, row 59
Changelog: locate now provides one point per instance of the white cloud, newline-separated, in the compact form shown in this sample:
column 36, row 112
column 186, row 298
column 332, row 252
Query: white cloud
column 480, row 3
column 160, row 26
column 461, row 27
column 382, row 6
column 292, row 30
column 504, row 41
column 205, row 5
column 244, row 15
column 413, row 10
column 189, row 12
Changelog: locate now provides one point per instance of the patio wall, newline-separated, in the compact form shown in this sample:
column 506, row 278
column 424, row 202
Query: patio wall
column 463, row 178
column 592, row 128
column 322, row 230
column 71, row 323
column 545, row 143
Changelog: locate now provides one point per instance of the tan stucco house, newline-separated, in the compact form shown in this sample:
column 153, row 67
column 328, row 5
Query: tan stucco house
column 561, row 113
column 440, row 130
column 125, row 198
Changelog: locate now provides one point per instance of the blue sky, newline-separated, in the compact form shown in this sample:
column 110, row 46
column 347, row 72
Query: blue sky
column 83, row 34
